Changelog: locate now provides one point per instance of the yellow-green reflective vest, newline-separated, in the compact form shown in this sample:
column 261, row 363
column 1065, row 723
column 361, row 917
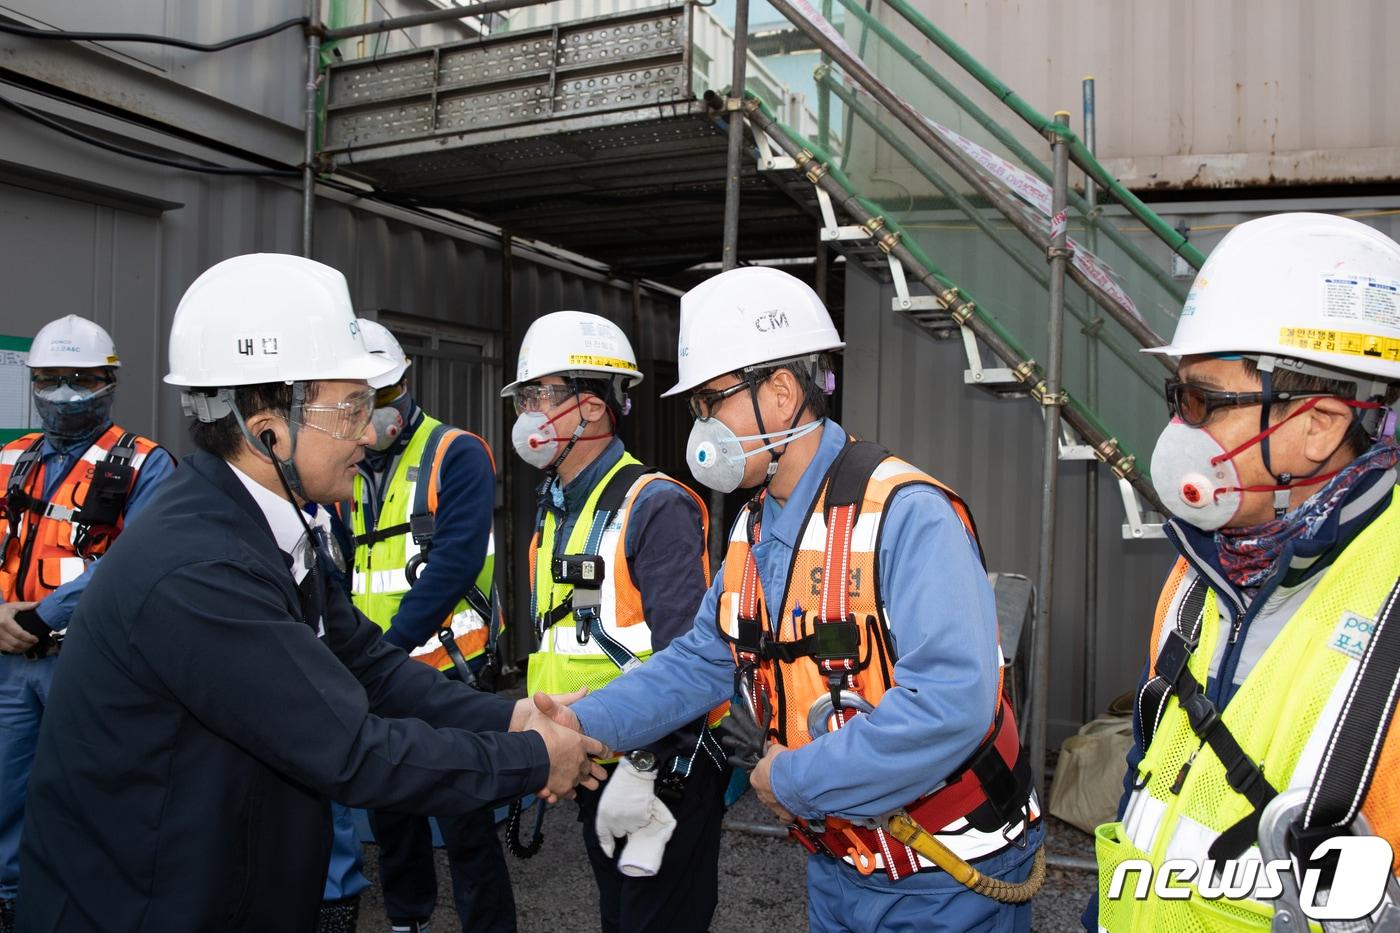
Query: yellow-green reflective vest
column 1282, row 716
column 380, row 581
column 563, row 664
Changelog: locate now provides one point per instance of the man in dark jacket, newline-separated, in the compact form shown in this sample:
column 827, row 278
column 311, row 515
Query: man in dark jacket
column 216, row 689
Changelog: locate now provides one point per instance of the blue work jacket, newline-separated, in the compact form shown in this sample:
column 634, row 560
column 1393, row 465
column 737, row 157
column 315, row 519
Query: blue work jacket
column 942, row 619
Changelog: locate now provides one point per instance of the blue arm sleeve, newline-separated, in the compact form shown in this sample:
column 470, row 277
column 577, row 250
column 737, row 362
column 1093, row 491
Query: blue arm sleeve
column 665, row 550
column 691, row 676
column 57, row 608
column 942, row 617
column 462, row 524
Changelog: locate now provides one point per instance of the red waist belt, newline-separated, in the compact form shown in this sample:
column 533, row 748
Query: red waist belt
column 995, row 780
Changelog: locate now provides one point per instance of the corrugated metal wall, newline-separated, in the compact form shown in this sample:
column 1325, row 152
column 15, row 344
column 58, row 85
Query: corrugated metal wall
column 91, row 233
column 1291, row 90
column 906, row 391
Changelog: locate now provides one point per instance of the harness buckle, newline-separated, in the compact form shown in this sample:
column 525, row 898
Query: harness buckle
column 421, row 527
column 1174, row 656
column 1200, row 713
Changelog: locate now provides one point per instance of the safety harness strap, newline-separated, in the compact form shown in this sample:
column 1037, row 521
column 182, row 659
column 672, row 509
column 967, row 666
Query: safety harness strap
column 420, row 519
column 1173, row 670
column 588, row 622
column 1152, row 700
column 18, row 502
column 1349, row 763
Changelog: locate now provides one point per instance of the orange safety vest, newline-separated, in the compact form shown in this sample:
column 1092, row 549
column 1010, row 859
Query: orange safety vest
column 48, row 543
column 833, row 642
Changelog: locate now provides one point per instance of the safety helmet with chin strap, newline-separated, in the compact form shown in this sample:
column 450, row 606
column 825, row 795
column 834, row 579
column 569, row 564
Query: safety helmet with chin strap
column 262, row 318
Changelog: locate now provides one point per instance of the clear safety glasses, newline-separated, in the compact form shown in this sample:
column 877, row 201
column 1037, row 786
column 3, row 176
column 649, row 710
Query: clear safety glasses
column 345, row 420
column 540, row 397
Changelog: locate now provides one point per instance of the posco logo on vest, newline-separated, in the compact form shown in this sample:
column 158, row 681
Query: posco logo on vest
column 1357, row 884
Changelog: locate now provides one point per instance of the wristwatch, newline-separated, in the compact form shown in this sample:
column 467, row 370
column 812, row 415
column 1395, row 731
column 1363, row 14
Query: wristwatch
column 642, row 760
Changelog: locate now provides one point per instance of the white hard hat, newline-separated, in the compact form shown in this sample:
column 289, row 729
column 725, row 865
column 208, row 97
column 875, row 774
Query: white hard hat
column 567, row 343
column 380, row 342
column 1310, row 287
column 746, row 317
column 267, row 317
column 72, row 341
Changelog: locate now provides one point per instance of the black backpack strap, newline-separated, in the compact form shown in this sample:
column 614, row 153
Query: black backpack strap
column 1349, row 763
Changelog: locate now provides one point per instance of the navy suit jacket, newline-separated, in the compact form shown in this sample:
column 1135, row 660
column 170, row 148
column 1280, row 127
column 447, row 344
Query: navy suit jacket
column 198, row 728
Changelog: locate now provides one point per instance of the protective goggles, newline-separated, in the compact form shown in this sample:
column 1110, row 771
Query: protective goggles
column 1194, row 404
column 538, row 397
column 91, row 379
column 388, row 394
column 344, row 420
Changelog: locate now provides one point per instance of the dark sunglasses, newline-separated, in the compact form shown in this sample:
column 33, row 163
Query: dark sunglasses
column 1194, row 404
column 77, row 379
column 705, row 402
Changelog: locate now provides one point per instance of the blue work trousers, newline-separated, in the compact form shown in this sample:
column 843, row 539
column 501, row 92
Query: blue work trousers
column 841, row 900
column 344, row 878
column 24, row 692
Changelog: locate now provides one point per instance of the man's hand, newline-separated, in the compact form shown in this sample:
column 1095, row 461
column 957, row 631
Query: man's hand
column 553, row 705
column 762, row 781
column 571, row 757
column 13, row 638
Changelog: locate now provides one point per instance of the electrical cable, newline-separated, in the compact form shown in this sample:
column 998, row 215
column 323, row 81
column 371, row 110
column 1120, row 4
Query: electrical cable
column 31, row 33
column 58, row 127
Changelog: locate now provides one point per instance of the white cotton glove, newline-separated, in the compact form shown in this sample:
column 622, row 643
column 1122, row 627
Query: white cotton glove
column 626, row 809
column 641, row 858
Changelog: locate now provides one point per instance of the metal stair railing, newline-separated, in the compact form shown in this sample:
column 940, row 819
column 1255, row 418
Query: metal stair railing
column 816, row 165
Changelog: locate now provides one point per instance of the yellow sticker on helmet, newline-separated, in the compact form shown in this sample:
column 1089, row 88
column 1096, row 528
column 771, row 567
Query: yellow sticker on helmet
column 1340, row 341
column 585, row 359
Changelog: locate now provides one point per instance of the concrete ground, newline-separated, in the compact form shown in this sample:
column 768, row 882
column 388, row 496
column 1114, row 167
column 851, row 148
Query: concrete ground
column 761, row 882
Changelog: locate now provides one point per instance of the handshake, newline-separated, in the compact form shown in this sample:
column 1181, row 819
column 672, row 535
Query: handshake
column 628, row 808
column 572, row 755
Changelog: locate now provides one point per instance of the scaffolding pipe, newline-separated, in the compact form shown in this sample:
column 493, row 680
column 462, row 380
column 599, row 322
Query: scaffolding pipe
column 729, row 256
column 1091, row 493
column 1004, row 202
column 424, row 19
column 1077, row 150
column 959, row 305
column 1134, row 361
column 1083, row 205
column 1051, row 400
column 308, row 171
column 824, row 95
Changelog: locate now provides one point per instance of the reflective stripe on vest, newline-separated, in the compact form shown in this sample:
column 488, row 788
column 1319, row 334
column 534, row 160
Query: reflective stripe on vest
column 563, row 663
column 380, row 581
column 795, row 688
column 1282, row 715
column 54, row 557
